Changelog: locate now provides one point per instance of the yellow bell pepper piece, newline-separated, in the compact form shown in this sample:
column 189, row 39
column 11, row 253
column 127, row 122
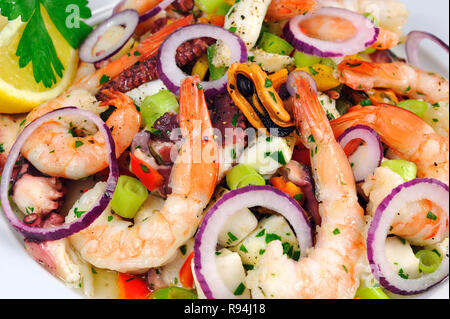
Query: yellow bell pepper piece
column 201, row 67
column 323, row 75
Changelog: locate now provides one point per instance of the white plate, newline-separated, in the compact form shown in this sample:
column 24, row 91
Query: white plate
column 21, row 277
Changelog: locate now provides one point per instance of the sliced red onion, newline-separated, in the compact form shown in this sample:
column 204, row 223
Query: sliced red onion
column 65, row 230
column 365, row 164
column 151, row 13
column 128, row 18
column 413, row 42
column 367, row 34
column 172, row 75
column 291, row 84
column 417, row 189
column 216, row 217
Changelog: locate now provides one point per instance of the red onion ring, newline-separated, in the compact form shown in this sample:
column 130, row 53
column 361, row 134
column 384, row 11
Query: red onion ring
column 413, row 42
column 129, row 18
column 367, row 34
column 291, row 84
column 65, row 230
column 250, row 196
column 151, row 13
column 172, row 75
column 417, row 189
column 374, row 156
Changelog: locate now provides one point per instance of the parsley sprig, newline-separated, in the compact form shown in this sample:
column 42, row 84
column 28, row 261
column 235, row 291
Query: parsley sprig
column 36, row 45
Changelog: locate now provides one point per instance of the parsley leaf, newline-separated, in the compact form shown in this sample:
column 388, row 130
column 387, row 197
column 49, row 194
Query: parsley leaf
column 36, row 45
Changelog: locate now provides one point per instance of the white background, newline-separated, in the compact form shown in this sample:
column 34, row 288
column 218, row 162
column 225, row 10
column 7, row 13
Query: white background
column 21, row 277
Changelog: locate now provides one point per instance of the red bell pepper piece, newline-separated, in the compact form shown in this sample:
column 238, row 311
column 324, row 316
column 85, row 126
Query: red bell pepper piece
column 186, row 277
column 146, row 174
column 132, row 287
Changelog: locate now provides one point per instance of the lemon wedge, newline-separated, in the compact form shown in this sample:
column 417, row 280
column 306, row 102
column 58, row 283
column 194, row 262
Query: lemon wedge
column 19, row 92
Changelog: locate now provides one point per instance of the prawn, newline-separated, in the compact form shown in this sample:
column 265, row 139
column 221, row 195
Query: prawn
column 153, row 240
column 331, row 269
column 390, row 14
column 412, row 139
column 402, row 78
column 58, row 148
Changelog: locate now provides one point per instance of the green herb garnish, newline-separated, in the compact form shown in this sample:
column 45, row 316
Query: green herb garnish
column 36, row 45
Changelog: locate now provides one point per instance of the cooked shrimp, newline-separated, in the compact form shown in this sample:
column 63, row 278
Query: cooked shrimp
column 331, row 269
column 412, row 139
column 407, row 134
column 412, row 221
column 61, row 149
column 390, row 14
column 386, row 40
column 286, row 9
column 153, row 240
column 402, row 78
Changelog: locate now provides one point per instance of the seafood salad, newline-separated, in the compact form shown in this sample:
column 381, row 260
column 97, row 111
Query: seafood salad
column 187, row 149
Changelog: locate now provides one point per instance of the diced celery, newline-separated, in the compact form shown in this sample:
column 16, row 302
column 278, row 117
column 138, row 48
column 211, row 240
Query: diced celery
column 274, row 44
column 215, row 73
column 429, row 261
column 223, row 9
column 417, row 107
column 244, row 175
column 173, row 293
column 407, row 170
column 303, row 60
column 371, row 293
column 128, row 197
column 208, row 6
column 157, row 105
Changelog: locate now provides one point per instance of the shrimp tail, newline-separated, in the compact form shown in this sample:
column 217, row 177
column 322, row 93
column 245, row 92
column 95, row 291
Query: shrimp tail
column 199, row 154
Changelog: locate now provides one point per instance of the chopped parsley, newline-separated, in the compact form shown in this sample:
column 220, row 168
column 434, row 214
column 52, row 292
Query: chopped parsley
column 336, row 231
column 137, row 53
column 243, row 248
column 261, row 233
column 78, row 144
column 235, row 118
column 231, row 236
column 262, row 251
column 268, row 83
column 110, row 218
column 279, row 157
column 2, row 149
column 93, row 270
column 78, row 213
column 233, row 29
column 354, row 65
column 311, row 139
column 299, row 197
column 239, row 290
column 313, row 72
column 29, row 210
column 104, row 79
column 248, row 267
column 402, row 274
column 366, row 102
column 345, row 268
column 432, row 216
column 272, row 237
column 183, row 249
column 144, row 168
column 233, row 154
column 273, row 96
